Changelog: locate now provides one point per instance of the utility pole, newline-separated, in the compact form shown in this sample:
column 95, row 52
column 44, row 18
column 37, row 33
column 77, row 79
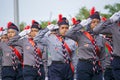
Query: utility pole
column 16, row 13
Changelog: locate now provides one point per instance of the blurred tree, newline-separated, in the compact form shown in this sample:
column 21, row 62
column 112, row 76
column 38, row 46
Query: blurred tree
column 45, row 23
column 111, row 9
column 83, row 13
column 22, row 25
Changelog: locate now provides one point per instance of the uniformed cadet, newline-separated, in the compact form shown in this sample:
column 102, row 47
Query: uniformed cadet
column 47, row 56
column 61, row 51
column 3, row 38
column 106, row 62
column 111, row 26
column 90, row 48
column 12, row 56
column 33, row 64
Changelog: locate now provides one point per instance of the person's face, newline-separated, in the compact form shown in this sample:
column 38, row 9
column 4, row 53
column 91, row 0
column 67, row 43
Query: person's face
column 63, row 29
column 33, row 32
column 94, row 23
column 11, row 33
column 4, row 38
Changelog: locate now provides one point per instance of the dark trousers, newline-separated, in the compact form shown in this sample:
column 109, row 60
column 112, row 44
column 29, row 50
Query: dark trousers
column 108, row 75
column 31, row 73
column 116, row 68
column 8, row 73
column 85, row 71
column 60, row 71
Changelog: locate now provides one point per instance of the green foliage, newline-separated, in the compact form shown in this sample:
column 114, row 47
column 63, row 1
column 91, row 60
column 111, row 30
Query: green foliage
column 45, row 23
column 22, row 25
column 112, row 9
column 105, row 15
column 83, row 13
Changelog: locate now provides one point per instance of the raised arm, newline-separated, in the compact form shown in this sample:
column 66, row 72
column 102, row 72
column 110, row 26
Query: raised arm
column 41, row 38
column 103, row 28
column 73, row 32
column 107, row 26
column 16, row 41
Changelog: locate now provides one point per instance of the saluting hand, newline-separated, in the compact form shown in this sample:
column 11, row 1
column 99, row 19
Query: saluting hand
column 115, row 17
column 52, row 27
column 24, row 33
column 86, row 22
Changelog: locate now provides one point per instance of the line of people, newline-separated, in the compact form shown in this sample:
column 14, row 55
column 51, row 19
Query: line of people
column 87, row 51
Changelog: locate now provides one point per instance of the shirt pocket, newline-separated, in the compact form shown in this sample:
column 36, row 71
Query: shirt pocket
column 88, row 46
column 57, row 46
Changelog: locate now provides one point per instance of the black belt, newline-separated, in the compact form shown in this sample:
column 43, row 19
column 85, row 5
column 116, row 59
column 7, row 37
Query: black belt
column 31, row 66
column 57, row 62
column 87, row 60
column 116, row 56
column 27, row 66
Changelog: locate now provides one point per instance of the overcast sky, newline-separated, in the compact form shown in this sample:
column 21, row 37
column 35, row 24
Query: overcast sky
column 47, row 9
